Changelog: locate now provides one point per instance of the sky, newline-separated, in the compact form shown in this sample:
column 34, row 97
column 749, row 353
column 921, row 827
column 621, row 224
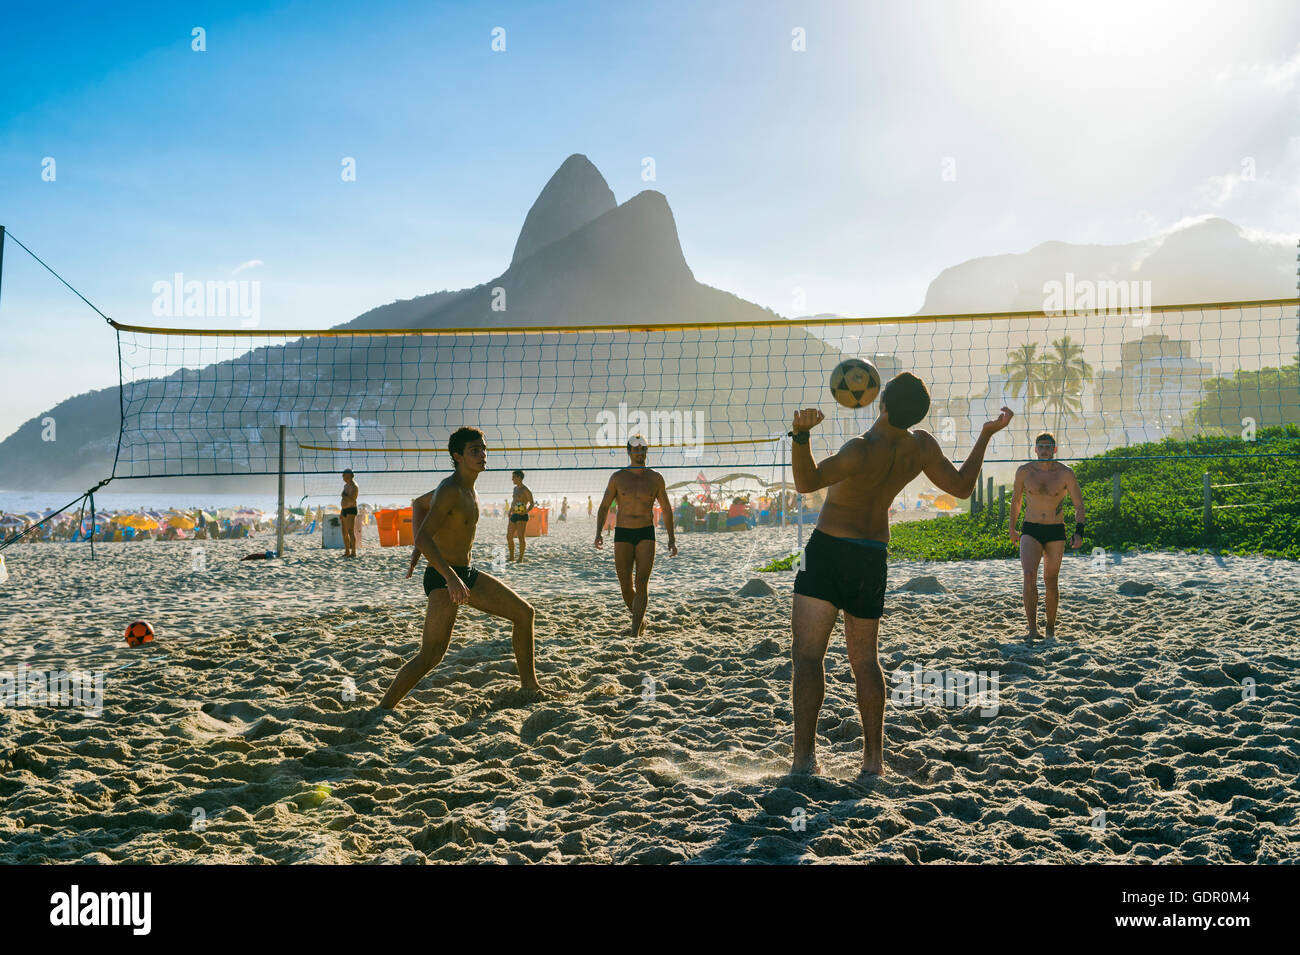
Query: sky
column 818, row 157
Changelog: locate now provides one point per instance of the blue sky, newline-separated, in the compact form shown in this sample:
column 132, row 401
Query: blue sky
column 818, row 170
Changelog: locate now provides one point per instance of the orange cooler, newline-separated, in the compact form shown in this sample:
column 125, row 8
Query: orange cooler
column 539, row 523
column 405, row 533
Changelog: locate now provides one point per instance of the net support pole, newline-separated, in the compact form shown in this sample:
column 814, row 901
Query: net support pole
column 279, row 511
column 2, row 257
column 1207, row 509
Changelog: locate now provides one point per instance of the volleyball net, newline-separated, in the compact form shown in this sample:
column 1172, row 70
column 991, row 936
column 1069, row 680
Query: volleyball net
column 706, row 397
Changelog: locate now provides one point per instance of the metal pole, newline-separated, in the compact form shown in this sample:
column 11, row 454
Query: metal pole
column 988, row 495
column 1002, row 504
column 1207, row 508
column 279, row 511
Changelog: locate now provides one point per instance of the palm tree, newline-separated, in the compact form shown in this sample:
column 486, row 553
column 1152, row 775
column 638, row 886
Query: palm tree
column 1025, row 373
column 1064, row 375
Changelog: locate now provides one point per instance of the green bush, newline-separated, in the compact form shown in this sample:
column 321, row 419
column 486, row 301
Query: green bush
column 1161, row 507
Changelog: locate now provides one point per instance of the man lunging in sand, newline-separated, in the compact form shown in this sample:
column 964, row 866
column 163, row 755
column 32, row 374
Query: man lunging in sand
column 445, row 520
column 1043, row 484
column 843, row 566
column 635, row 489
column 348, row 514
column 520, row 504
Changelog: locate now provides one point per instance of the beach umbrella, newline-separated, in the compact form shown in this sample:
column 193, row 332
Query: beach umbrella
column 140, row 522
column 13, row 520
column 181, row 521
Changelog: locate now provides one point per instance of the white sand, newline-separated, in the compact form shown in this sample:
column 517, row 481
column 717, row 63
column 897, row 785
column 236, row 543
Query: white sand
column 1136, row 711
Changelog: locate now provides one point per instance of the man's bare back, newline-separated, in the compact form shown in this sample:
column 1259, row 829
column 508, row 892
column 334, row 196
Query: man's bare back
column 858, row 505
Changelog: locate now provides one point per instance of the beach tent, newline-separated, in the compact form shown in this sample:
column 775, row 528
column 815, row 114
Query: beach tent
column 140, row 522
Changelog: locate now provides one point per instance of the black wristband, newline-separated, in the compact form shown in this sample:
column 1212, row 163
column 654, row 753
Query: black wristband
column 1078, row 528
column 801, row 437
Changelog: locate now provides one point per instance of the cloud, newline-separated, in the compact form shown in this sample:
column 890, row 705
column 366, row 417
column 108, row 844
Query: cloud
column 251, row 263
column 1278, row 76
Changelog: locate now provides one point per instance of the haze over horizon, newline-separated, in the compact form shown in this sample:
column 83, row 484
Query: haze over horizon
column 820, row 169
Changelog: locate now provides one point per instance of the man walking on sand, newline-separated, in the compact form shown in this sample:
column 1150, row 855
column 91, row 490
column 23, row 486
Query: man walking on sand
column 843, row 566
column 445, row 520
column 1043, row 484
column 521, row 503
column 634, row 491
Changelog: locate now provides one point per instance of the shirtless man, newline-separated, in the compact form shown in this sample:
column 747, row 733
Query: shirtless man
column 445, row 520
column 634, row 490
column 1042, row 536
column 843, row 566
column 348, row 514
column 520, row 505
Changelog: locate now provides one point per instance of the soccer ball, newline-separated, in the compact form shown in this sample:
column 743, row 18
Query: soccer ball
column 139, row 633
column 855, row 383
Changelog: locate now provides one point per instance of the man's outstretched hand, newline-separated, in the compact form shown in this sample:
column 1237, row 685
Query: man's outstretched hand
column 806, row 420
column 1000, row 422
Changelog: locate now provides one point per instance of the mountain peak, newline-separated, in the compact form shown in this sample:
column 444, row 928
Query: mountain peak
column 574, row 196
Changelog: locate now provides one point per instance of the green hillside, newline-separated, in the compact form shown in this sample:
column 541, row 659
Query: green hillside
column 1161, row 506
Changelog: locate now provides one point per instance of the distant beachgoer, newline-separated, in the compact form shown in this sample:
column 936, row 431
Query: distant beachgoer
column 445, row 520
column 1042, row 536
column 348, row 514
column 589, row 505
column 634, row 491
column 564, row 509
column 844, row 567
column 517, row 526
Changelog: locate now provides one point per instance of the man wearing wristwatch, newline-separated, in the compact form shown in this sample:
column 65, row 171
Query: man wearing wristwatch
column 1042, row 485
column 843, row 566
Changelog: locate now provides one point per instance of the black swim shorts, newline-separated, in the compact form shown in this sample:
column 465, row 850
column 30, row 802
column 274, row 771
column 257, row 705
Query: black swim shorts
column 1043, row 533
column 633, row 535
column 516, row 518
column 848, row 575
column 435, row 581
column 349, row 512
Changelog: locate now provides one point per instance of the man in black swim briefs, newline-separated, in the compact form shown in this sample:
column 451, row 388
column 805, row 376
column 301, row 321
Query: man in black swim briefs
column 635, row 489
column 1043, row 485
column 445, row 520
column 521, row 503
column 843, row 566
column 348, row 514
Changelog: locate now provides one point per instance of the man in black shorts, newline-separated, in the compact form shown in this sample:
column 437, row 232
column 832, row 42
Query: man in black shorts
column 348, row 514
column 1043, row 485
column 445, row 520
column 843, row 566
column 517, row 527
column 634, row 490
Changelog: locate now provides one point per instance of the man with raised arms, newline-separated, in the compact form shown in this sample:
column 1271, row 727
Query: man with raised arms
column 1043, row 485
column 843, row 566
column 635, row 489
column 445, row 520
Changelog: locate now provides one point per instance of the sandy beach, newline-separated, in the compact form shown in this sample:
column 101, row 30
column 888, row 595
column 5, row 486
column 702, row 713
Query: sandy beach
column 1162, row 723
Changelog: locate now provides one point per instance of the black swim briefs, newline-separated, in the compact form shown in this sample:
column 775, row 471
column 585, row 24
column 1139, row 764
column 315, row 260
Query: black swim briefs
column 633, row 535
column 349, row 512
column 848, row 574
column 435, row 581
column 516, row 518
column 1043, row 533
